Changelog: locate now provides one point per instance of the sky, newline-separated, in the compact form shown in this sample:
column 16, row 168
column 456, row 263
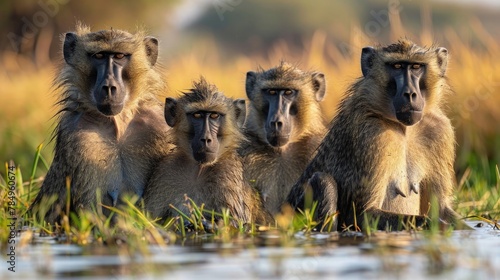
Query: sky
column 189, row 10
column 491, row 3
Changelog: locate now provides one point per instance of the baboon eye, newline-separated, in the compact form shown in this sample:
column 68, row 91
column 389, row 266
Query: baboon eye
column 416, row 66
column 397, row 65
column 288, row 92
column 98, row 55
column 197, row 115
column 214, row 115
column 119, row 55
column 272, row 92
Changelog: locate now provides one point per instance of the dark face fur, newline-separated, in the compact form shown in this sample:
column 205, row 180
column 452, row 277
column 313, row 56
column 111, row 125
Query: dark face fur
column 204, row 136
column 280, row 107
column 109, row 90
column 277, row 95
column 205, row 121
column 403, row 69
column 104, row 59
column 404, row 88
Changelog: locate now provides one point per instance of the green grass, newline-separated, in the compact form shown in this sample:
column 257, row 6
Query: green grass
column 477, row 198
column 472, row 73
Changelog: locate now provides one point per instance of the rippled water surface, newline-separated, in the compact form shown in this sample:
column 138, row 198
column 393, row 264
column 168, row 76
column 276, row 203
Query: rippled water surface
column 473, row 254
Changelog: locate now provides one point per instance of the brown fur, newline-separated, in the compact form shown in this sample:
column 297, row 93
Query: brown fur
column 98, row 152
column 371, row 158
column 218, row 184
column 274, row 170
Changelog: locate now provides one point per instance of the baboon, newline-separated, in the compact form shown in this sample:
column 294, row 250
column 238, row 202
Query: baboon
column 204, row 165
column 110, row 131
column 390, row 147
column 285, row 126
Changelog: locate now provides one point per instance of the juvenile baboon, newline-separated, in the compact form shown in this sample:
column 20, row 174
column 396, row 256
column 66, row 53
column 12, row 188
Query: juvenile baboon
column 285, row 126
column 205, row 164
column 110, row 132
column 390, row 147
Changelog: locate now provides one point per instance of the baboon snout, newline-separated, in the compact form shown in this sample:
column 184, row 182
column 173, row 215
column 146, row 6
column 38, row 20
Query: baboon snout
column 205, row 146
column 408, row 115
column 206, row 138
column 206, row 143
column 278, row 130
column 410, row 96
column 109, row 98
column 277, row 125
column 109, row 90
column 408, row 102
column 109, row 87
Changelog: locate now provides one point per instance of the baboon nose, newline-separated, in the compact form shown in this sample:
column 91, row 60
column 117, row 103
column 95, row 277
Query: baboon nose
column 109, row 90
column 410, row 96
column 277, row 125
column 206, row 141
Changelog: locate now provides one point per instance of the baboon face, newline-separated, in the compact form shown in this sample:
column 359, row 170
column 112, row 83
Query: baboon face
column 404, row 87
column 204, row 134
column 109, row 90
column 280, row 105
column 104, row 59
column 402, row 69
column 278, row 96
column 205, row 121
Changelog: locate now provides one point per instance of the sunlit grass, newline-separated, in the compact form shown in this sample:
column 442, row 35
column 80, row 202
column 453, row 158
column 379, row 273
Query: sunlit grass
column 26, row 110
column 130, row 225
column 26, row 102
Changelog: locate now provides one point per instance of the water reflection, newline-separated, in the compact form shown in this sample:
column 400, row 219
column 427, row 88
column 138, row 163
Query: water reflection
column 465, row 255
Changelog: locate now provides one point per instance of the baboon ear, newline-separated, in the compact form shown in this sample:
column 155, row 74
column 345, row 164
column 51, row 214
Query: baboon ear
column 442, row 59
column 319, row 85
column 241, row 111
column 367, row 56
column 151, row 44
column 69, row 46
column 170, row 111
column 250, row 84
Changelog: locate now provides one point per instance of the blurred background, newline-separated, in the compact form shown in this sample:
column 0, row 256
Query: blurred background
column 223, row 39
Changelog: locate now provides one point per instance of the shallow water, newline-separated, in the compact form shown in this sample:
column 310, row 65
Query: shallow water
column 472, row 254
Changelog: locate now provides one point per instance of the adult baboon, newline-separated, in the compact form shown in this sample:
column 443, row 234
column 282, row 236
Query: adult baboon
column 285, row 126
column 390, row 147
column 205, row 164
column 110, row 132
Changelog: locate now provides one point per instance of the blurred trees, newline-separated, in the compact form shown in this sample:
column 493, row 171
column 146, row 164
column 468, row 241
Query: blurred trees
column 225, row 38
column 252, row 27
column 31, row 27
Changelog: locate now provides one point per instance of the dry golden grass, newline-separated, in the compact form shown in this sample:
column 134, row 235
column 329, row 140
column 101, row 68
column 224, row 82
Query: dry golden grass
column 26, row 99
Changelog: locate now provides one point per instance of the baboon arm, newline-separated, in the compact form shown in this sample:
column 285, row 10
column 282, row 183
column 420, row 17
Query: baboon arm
column 391, row 221
column 386, row 220
column 325, row 193
column 50, row 201
column 321, row 187
column 448, row 216
column 442, row 187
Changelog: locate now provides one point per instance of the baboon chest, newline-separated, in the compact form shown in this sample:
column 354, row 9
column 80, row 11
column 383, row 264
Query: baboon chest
column 216, row 186
column 118, row 162
column 403, row 180
column 274, row 175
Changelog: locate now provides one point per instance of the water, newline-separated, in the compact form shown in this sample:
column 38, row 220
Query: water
column 473, row 254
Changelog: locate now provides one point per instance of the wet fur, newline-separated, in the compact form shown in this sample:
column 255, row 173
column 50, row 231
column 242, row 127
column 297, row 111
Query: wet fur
column 100, row 153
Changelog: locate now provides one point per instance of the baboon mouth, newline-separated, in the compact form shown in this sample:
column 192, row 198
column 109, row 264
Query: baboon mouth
column 110, row 109
column 409, row 117
column 278, row 140
column 204, row 157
